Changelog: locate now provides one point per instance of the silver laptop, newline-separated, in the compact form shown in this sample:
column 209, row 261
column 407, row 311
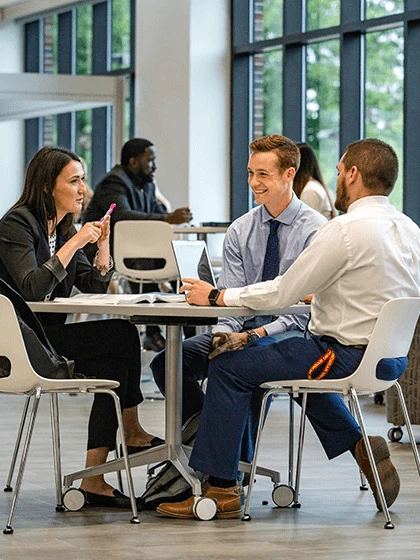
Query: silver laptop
column 192, row 260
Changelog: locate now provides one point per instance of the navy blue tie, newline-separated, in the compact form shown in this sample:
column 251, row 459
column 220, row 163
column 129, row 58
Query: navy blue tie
column 270, row 269
column 272, row 257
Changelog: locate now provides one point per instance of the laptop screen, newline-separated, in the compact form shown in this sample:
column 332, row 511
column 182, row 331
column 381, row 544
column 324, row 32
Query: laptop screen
column 192, row 260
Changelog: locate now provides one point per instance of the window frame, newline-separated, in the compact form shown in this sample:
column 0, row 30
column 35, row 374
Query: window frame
column 351, row 33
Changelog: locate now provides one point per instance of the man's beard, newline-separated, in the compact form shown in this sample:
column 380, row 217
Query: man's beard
column 342, row 198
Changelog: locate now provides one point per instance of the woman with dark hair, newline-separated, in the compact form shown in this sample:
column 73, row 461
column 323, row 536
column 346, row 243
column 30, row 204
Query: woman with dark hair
column 309, row 184
column 41, row 257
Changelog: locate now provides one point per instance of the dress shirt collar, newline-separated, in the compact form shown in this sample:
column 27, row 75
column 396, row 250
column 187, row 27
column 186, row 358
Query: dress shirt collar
column 380, row 200
column 288, row 215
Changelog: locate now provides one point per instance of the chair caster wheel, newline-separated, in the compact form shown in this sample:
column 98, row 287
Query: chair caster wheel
column 60, row 508
column 205, row 509
column 8, row 489
column 283, row 495
column 296, row 505
column 135, row 520
column 8, row 530
column 389, row 525
column 73, row 499
column 395, row 434
column 246, row 517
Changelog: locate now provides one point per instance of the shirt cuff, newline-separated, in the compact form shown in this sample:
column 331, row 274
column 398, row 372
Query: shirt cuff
column 232, row 297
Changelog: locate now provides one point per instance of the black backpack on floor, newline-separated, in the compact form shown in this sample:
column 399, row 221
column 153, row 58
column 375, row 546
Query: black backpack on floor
column 166, row 484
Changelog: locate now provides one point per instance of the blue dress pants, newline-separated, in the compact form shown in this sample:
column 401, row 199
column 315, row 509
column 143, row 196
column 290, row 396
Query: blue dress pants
column 233, row 399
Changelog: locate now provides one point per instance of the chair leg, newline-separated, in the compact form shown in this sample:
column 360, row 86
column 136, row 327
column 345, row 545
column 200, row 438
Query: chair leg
column 55, row 427
column 408, row 426
column 117, row 456
column 296, row 503
column 135, row 518
column 8, row 487
column 291, row 438
column 246, row 516
column 358, row 411
column 363, row 484
column 8, row 529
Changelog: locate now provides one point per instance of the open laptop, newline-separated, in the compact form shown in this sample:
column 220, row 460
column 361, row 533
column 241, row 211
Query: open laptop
column 192, row 260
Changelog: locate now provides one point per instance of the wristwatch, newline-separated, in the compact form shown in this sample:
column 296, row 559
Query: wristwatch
column 213, row 295
column 252, row 336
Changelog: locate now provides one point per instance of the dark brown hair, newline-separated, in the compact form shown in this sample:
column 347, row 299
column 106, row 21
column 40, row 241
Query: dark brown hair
column 309, row 169
column 41, row 176
column 377, row 163
column 287, row 152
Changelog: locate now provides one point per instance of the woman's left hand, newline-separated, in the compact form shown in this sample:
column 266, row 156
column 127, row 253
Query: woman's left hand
column 103, row 239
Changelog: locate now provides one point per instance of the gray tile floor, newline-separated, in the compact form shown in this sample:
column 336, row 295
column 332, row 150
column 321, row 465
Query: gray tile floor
column 336, row 519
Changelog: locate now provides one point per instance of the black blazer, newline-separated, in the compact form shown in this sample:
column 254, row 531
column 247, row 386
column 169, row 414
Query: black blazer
column 26, row 264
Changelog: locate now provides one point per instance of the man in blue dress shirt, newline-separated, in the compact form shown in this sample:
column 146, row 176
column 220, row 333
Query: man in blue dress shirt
column 271, row 172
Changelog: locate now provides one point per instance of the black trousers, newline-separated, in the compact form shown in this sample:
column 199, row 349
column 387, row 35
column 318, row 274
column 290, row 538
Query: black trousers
column 108, row 349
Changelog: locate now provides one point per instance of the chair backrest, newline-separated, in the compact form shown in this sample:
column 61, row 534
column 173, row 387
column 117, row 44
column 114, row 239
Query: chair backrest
column 144, row 239
column 391, row 338
column 22, row 376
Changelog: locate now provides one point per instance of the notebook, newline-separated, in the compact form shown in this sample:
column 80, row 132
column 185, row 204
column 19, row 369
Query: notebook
column 192, row 260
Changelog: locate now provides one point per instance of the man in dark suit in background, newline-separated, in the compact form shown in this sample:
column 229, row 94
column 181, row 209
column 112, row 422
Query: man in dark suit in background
column 131, row 187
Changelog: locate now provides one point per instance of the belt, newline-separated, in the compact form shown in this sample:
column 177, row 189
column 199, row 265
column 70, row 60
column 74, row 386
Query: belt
column 332, row 339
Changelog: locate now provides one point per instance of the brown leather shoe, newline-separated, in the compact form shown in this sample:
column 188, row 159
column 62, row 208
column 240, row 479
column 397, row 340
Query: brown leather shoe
column 387, row 472
column 228, row 504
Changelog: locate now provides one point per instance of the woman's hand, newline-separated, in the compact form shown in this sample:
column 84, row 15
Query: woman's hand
column 90, row 232
column 103, row 239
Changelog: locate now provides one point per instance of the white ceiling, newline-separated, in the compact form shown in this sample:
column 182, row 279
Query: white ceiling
column 7, row 3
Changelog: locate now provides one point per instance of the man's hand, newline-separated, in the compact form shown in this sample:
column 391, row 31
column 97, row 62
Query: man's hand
column 179, row 216
column 228, row 341
column 197, row 291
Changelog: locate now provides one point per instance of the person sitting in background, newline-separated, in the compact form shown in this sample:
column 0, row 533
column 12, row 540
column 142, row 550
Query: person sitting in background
column 41, row 258
column 131, row 186
column 309, row 184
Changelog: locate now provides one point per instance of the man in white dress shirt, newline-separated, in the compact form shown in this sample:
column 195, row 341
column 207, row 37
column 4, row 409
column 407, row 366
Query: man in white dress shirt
column 353, row 266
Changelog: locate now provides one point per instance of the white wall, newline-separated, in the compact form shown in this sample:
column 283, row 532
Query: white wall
column 182, row 99
column 11, row 132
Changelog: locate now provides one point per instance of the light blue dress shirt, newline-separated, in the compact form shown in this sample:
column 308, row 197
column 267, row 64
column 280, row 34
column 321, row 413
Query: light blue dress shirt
column 244, row 251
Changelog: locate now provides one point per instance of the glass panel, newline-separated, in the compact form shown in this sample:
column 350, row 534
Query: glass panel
column 49, row 130
column 50, row 44
column 268, row 19
column 84, row 23
column 322, row 14
column 384, row 95
column 120, row 46
column 323, row 105
column 268, row 92
column 84, row 136
column 380, row 8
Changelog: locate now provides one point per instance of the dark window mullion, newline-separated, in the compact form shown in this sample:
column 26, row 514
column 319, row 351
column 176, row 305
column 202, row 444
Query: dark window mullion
column 411, row 169
column 101, row 122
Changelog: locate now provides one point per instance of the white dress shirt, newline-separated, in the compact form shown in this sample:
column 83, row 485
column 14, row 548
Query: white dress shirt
column 353, row 266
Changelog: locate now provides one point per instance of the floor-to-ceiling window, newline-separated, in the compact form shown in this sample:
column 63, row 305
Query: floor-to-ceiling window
column 90, row 38
column 327, row 72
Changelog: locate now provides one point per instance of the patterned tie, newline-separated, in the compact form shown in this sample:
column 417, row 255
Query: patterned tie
column 270, row 270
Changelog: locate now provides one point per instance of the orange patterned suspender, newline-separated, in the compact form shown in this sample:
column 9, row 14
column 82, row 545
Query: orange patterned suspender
column 328, row 359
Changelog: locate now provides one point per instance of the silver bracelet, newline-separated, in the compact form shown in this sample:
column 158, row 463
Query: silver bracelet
column 103, row 268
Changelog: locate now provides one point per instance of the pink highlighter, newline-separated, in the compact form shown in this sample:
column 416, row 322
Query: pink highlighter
column 108, row 212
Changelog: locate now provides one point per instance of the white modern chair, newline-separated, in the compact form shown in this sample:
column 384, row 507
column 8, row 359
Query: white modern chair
column 24, row 380
column 391, row 338
column 144, row 239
